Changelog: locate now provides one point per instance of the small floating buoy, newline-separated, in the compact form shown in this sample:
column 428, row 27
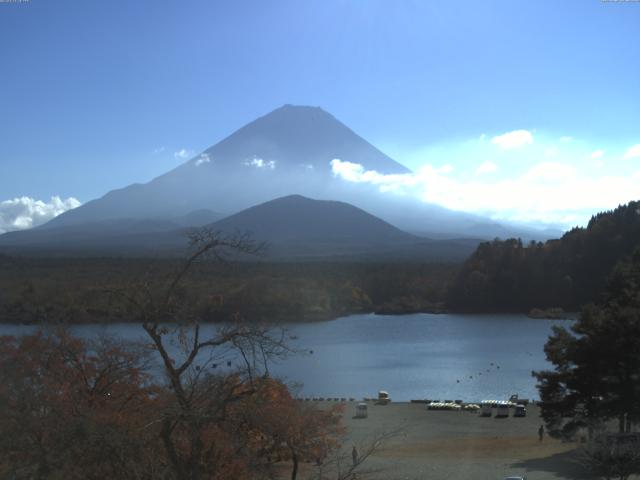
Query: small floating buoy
column 229, row 363
column 310, row 351
column 457, row 381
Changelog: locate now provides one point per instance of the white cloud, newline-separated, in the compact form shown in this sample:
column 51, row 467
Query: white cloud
column 514, row 139
column 548, row 192
column 632, row 152
column 158, row 150
column 203, row 158
column 566, row 138
column 486, row 167
column 25, row 212
column 354, row 172
column 182, row 154
column 552, row 151
column 258, row 162
column 597, row 154
column 550, row 172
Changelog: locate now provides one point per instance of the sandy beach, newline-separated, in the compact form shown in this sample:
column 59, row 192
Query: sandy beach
column 445, row 445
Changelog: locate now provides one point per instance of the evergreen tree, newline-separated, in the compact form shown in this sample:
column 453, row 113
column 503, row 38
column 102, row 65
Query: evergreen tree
column 597, row 361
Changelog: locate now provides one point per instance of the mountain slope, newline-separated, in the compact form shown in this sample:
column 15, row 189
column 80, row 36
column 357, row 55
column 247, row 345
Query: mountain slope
column 103, row 233
column 297, row 137
column 297, row 219
column 285, row 151
column 297, row 227
column 294, row 227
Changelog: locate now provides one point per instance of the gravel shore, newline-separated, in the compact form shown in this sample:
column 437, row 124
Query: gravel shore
column 446, row 445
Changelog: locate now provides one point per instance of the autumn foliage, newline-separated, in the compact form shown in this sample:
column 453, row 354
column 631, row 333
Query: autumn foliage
column 75, row 409
column 281, row 428
column 72, row 410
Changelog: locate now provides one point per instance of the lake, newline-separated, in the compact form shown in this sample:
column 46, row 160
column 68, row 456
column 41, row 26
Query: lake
column 469, row 357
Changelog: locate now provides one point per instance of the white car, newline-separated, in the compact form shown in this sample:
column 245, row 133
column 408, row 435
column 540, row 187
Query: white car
column 515, row 478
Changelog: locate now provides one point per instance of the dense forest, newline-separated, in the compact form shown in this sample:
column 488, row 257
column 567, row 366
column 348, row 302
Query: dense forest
column 500, row 276
column 566, row 273
column 78, row 290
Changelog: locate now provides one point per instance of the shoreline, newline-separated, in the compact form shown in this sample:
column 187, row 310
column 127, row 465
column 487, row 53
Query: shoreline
column 441, row 445
column 290, row 320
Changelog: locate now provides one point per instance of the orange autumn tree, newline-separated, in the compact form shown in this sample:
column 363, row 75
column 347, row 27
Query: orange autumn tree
column 73, row 409
column 280, row 428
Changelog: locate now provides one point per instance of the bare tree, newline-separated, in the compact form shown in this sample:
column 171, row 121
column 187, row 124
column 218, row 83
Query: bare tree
column 199, row 403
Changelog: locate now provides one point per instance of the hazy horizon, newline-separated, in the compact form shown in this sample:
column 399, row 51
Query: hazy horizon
column 521, row 113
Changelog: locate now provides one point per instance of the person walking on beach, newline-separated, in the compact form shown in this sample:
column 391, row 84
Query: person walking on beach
column 354, row 455
column 540, row 433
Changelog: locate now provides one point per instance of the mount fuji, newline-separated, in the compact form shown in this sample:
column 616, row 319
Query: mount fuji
column 286, row 152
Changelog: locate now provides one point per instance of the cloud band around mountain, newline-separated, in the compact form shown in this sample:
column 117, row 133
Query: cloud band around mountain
column 25, row 212
column 548, row 192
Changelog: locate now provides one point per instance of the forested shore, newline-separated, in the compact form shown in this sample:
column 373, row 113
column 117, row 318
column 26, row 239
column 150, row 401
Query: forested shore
column 502, row 276
column 79, row 290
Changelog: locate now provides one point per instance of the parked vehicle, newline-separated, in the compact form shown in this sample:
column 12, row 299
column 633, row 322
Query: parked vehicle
column 502, row 410
column 520, row 411
column 362, row 410
column 383, row 397
column 485, row 409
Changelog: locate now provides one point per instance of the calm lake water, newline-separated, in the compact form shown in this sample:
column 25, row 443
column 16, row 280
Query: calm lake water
column 469, row 357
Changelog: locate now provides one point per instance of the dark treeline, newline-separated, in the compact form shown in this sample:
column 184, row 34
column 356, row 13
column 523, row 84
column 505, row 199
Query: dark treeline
column 76, row 290
column 500, row 276
column 566, row 273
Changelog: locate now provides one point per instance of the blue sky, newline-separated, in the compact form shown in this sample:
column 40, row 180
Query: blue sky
column 100, row 94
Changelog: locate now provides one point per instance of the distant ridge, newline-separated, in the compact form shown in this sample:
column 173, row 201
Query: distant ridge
column 105, row 231
column 297, row 227
column 298, row 219
column 294, row 227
